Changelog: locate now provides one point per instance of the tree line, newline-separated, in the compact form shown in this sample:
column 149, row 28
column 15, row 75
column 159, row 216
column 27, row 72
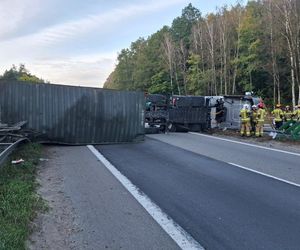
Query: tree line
column 20, row 74
column 252, row 47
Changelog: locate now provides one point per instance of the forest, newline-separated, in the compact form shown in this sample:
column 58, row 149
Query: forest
column 245, row 47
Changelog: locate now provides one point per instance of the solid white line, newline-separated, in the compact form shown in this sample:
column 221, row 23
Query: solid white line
column 176, row 232
column 267, row 175
column 247, row 144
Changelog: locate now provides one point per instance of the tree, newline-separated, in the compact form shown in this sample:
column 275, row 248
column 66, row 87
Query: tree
column 169, row 53
column 124, row 72
column 250, row 60
column 20, row 74
column 181, row 28
column 160, row 84
column 211, row 40
column 196, row 78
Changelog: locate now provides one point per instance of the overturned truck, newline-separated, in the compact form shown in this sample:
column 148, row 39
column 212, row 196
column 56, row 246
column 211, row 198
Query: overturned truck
column 156, row 113
column 230, row 106
column 189, row 113
column 176, row 113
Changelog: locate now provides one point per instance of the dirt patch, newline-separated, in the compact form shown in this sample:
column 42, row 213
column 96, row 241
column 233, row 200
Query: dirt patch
column 266, row 140
column 54, row 228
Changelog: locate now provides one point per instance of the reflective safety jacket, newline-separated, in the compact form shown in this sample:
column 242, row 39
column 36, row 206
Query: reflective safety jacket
column 278, row 114
column 254, row 116
column 288, row 115
column 261, row 114
column 245, row 115
column 297, row 114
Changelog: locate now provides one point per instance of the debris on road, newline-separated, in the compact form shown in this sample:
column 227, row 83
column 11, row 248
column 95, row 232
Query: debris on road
column 17, row 161
column 10, row 137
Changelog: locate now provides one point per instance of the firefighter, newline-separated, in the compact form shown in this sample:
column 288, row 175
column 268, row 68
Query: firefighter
column 288, row 114
column 278, row 115
column 245, row 114
column 297, row 113
column 253, row 119
column 220, row 112
column 261, row 114
column 261, row 103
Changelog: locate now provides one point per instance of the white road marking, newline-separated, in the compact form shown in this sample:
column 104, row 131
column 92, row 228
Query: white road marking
column 267, row 175
column 247, row 144
column 176, row 232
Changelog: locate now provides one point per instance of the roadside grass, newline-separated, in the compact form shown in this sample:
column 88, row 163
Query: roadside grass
column 19, row 202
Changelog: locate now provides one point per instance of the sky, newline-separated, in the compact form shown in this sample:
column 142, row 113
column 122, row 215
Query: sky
column 76, row 42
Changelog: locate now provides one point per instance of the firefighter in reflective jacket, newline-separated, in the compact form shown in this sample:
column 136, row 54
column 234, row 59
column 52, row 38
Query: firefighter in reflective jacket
column 261, row 114
column 297, row 113
column 278, row 115
column 253, row 119
column 288, row 114
column 245, row 120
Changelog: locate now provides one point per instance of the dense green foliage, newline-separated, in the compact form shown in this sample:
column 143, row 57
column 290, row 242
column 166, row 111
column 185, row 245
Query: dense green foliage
column 20, row 74
column 236, row 49
column 18, row 199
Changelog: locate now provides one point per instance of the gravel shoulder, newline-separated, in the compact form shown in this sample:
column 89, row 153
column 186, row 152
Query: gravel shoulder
column 54, row 228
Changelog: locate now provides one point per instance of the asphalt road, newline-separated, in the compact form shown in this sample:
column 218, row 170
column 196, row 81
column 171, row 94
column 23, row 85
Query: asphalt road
column 278, row 164
column 220, row 205
column 107, row 215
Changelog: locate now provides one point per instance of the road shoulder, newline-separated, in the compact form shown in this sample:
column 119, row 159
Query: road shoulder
column 89, row 208
column 266, row 141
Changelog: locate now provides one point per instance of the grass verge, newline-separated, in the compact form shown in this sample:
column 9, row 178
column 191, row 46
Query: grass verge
column 19, row 202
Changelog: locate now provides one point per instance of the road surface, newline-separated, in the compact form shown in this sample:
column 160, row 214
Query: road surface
column 270, row 161
column 89, row 208
column 220, row 205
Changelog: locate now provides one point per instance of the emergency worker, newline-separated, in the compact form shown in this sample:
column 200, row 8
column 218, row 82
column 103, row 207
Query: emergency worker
column 278, row 115
column 220, row 112
column 261, row 114
column 245, row 114
column 261, row 103
column 288, row 114
column 297, row 113
column 253, row 119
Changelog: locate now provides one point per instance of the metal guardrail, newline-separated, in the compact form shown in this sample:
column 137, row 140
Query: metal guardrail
column 9, row 148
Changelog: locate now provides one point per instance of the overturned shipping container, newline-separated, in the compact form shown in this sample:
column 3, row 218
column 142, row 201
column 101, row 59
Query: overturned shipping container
column 74, row 115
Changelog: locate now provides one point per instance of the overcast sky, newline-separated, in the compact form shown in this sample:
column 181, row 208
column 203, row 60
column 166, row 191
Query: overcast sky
column 77, row 41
